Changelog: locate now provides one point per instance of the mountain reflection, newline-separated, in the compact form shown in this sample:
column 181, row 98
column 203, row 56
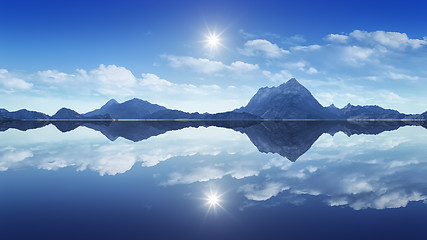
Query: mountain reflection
column 290, row 139
column 366, row 170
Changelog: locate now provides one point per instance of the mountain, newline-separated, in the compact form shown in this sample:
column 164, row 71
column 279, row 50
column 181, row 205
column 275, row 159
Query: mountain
column 172, row 114
column 132, row 109
column 422, row 116
column 4, row 115
column 290, row 100
column 22, row 114
column 368, row 112
column 140, row 109
column 334, row 110
column 67, row 114
column 231, row 116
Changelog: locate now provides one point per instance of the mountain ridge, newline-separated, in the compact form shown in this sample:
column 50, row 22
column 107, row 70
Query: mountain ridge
column 288, row 101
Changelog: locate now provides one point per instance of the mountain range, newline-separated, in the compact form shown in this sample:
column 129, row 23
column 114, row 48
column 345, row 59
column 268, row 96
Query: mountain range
column 290, row 100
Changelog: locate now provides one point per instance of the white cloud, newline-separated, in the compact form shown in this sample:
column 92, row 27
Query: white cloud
column 3, row 72
column 280, row 77
column 356, row 54
column 300, row 66
column 155, row 83
column 207, row 66
column 240, row 66
column 201, row 65
column 264, row 48
column 112, row 75
column 53, row 76
column 401, row 76
column 246, row 34
column 312, row 70
column 297, row 38
column 394, row 40
column 11, row 83
column 16, row 84
column 306, row 48
column 391, row 97
column 337, row 38
column 119, row 82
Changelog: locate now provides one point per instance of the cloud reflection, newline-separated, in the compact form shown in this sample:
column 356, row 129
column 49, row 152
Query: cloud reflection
column 362, row 171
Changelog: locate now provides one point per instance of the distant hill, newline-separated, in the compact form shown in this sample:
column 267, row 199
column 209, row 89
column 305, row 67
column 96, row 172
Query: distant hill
column 22, row 114
column 132, row 109
column 69, row 114
column 368, row 112
column 422, row 116
column 65, row 113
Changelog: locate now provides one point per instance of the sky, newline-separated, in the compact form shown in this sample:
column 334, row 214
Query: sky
column 80, row 54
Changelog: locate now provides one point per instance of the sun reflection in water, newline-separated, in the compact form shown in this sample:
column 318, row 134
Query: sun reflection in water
column 213, row 200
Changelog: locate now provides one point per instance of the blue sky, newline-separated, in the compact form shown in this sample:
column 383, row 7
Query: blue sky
column 80, row 54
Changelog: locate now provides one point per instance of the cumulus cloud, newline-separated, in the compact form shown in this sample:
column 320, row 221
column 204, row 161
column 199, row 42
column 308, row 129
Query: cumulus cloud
column 240, row 66
column 365, row 59
column 17, row 84
column 262, row 47
column 306, row 48
column 356, row 54
column 203, row 65
column 155, row 83
column 337, row 38
column 280, row 77
column 12, row 83
column 394, row 40
column 54, row 76
column 300, row 66
column 312, row 70
column 117, row 81
column 111, row 75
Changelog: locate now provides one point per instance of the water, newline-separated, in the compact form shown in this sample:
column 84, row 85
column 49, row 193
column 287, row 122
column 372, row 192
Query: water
column 213, row 180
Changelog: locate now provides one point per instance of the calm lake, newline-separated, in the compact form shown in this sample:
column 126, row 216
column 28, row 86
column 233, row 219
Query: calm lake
column 213, row 180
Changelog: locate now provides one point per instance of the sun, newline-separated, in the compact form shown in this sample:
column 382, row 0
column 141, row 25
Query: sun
column 213, row 41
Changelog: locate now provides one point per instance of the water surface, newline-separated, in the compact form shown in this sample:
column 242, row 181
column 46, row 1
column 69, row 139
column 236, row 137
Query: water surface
column 160, row 180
